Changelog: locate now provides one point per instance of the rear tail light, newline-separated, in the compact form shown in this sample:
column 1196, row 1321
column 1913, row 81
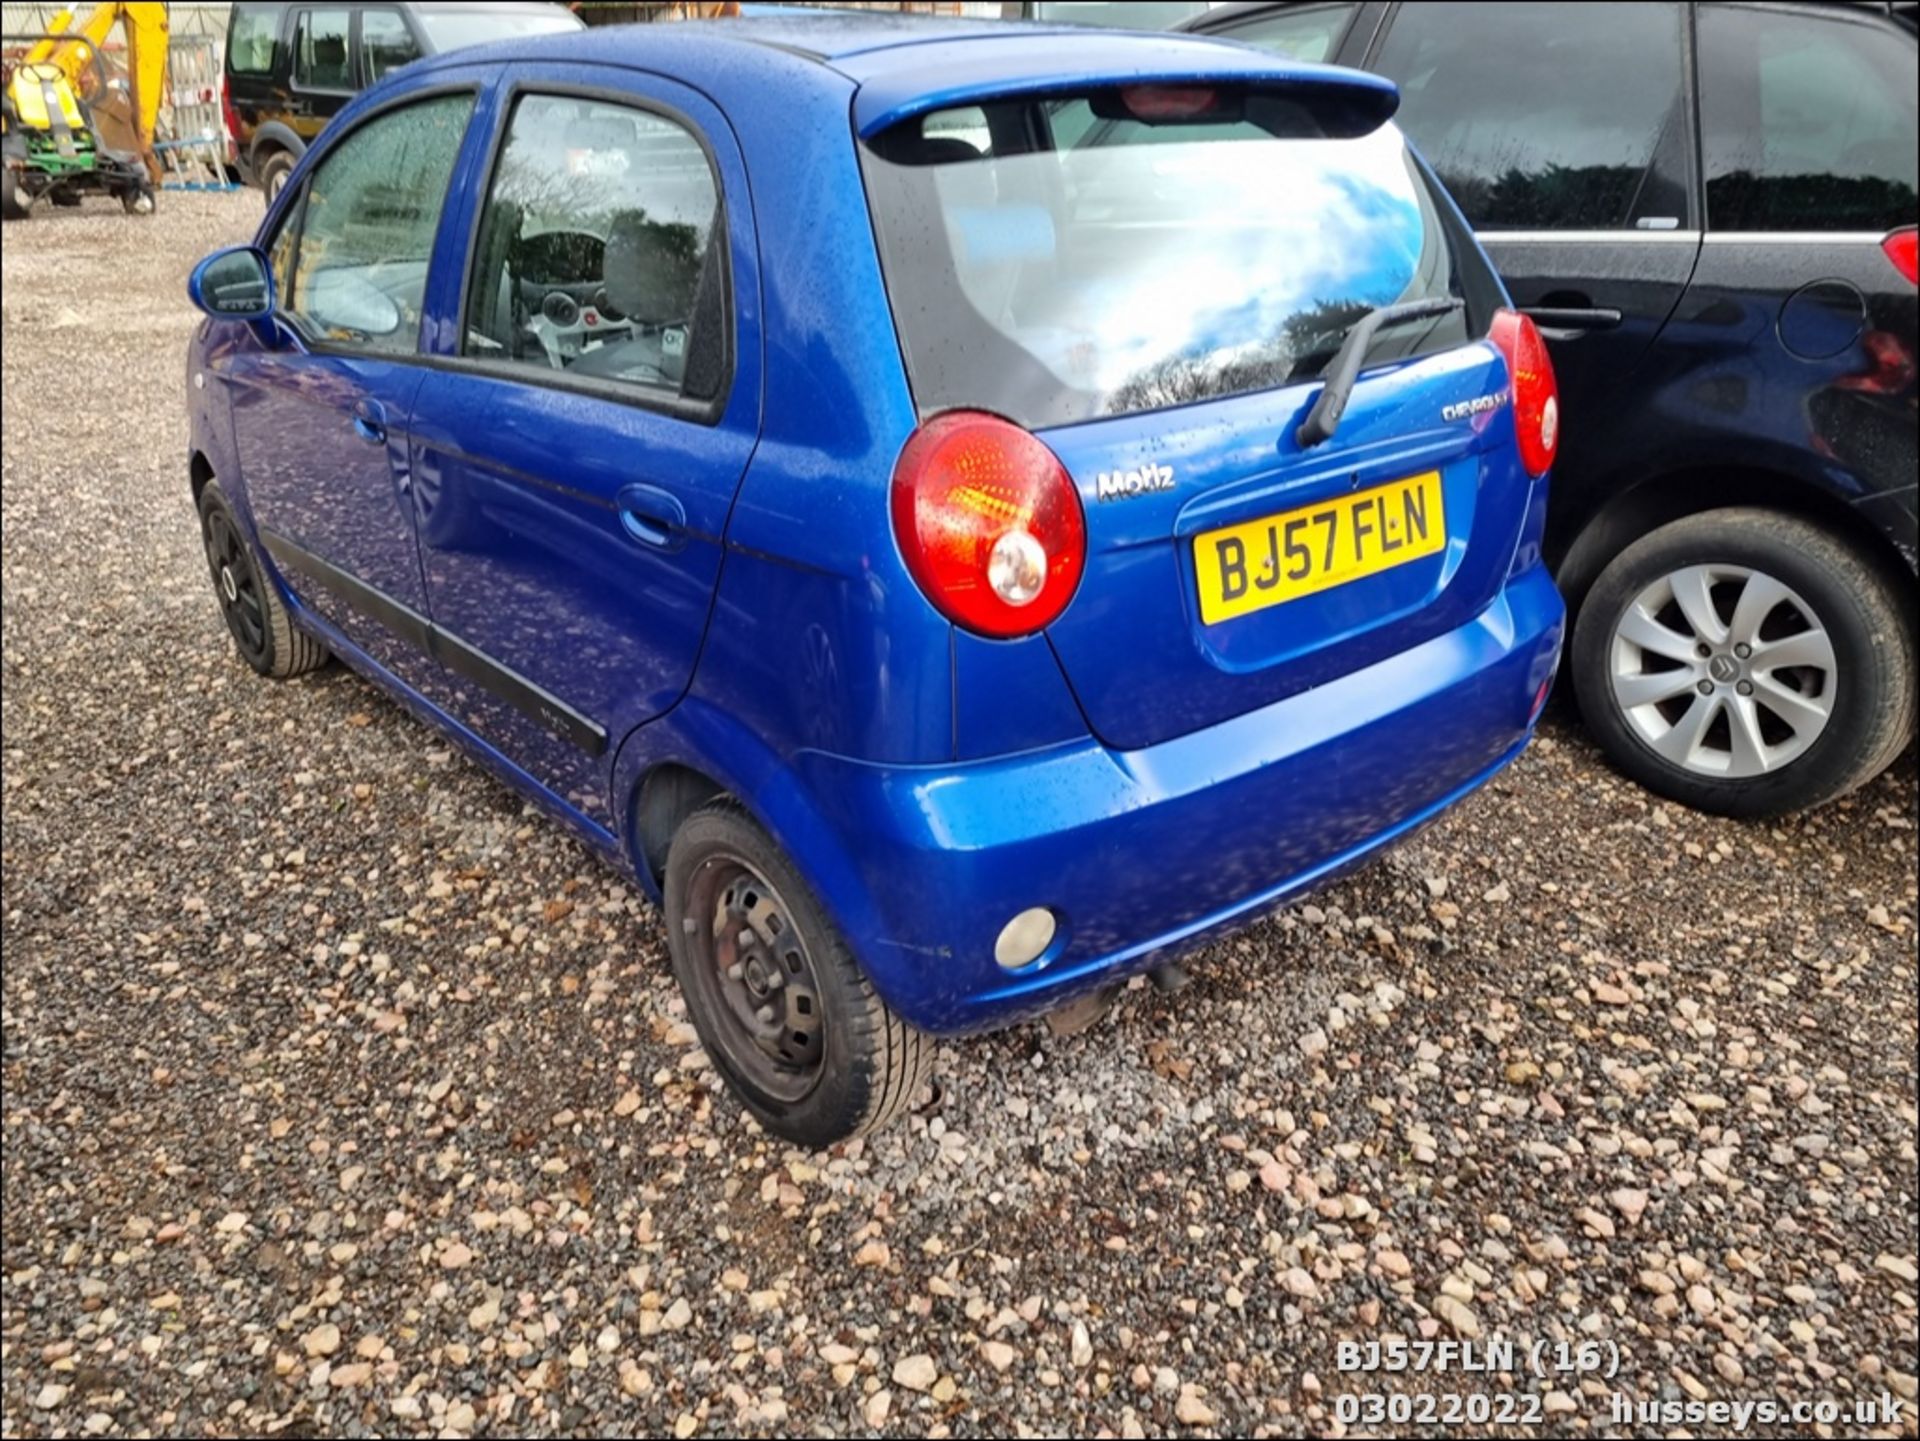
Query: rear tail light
column 227, row 114
column 989, row 522
column 1536, row 398
column 1900, row 250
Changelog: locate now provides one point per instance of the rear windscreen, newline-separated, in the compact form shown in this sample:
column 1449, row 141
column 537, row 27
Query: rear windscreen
column 452, row 29
column 1063, row 258
column 252, row 33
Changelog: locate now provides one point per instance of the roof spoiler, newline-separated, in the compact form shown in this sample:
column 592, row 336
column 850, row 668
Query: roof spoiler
column 969, row 72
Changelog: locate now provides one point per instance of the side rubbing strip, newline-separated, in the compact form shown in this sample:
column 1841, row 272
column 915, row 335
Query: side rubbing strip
column 444, row 646
column 403, row 620
column 517, row 691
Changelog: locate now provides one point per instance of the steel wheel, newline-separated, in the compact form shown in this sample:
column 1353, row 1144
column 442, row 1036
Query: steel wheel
column 1724, row 671
column 237, row 584
column 753, row 965
column 788, row 1018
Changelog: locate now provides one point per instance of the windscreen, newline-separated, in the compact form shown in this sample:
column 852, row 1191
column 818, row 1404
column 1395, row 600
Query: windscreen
column 1066, row 258
column 453, row 29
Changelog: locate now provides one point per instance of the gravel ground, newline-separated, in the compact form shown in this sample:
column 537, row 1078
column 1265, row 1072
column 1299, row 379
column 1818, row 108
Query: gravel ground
column 344, row 1094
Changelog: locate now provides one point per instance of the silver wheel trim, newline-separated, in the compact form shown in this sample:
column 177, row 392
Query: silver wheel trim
column 1718, row 664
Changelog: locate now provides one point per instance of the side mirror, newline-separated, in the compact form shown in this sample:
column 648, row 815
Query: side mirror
column 233, row 284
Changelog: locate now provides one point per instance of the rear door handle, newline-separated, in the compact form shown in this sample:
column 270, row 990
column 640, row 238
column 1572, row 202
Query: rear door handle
column 1554, row 317
column 370, row 421
column 652, row 516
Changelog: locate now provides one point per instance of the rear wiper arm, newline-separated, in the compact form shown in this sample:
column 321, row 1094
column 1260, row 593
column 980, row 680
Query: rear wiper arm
column 1345, row 367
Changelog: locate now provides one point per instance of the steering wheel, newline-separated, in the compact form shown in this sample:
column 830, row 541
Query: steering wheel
column 563, row 324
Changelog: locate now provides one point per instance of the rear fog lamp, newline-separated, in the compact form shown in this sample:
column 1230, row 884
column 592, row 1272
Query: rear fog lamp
column 1025, row 938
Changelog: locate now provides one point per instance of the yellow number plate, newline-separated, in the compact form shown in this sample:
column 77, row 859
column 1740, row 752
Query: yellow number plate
column 1248, row 567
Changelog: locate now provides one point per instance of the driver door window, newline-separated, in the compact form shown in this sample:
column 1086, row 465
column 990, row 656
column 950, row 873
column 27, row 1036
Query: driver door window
column 596, row 258
column 351, row 265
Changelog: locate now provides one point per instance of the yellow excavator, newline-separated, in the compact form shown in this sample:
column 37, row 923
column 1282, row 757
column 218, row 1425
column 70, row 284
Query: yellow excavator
column 65, row 127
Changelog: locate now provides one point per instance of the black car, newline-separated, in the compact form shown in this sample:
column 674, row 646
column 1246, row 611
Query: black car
column 291, row 67
column 1709, row 209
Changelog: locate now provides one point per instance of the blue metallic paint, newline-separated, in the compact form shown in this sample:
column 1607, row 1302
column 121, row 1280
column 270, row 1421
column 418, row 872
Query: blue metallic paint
column 1141, row 849
column 1236, row 460
column 927, row 782
column 310, row 476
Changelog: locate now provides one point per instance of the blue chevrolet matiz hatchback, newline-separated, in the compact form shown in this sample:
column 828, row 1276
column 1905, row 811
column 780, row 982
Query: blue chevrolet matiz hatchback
column 960, row 514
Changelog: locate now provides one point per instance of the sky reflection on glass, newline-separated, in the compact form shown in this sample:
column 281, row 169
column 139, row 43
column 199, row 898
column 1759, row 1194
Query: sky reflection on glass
column 1192, row 256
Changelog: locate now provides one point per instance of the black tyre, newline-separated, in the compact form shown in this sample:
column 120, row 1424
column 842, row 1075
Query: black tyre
column 784, row 1012
column 13, row 200
column 256, row 616
column 1746, row 662
column 273, row 172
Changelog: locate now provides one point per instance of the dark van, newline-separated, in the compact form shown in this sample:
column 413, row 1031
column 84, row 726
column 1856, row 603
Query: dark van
column 291, row 67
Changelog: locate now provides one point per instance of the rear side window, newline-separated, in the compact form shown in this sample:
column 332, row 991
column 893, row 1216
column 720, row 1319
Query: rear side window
column 1806, row 123
column 1545, row 117
column 601, row 253
column 364, row 230
column 1087, row 263
column 321, row 60
column 253, row 35
column 1307, row 33
column 385, row 42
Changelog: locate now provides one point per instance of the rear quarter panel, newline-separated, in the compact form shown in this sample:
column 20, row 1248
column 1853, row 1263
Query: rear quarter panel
column 1792, row 356
column 819, row 639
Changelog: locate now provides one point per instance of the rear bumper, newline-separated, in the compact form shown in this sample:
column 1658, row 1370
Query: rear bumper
column 1143, row 853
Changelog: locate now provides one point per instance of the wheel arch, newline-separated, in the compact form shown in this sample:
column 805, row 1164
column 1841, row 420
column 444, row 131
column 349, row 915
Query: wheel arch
column 667, row 794
column 199, row 473
column 272, row 136
column 271, row 139
column 1673, row 495
column 698, row 752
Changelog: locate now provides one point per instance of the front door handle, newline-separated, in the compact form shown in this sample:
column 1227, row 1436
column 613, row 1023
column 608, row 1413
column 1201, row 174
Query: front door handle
column 652, row 516
column 370, row 421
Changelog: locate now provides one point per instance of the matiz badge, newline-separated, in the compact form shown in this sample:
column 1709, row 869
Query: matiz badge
column 1149, row 479
column 1479, row 405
